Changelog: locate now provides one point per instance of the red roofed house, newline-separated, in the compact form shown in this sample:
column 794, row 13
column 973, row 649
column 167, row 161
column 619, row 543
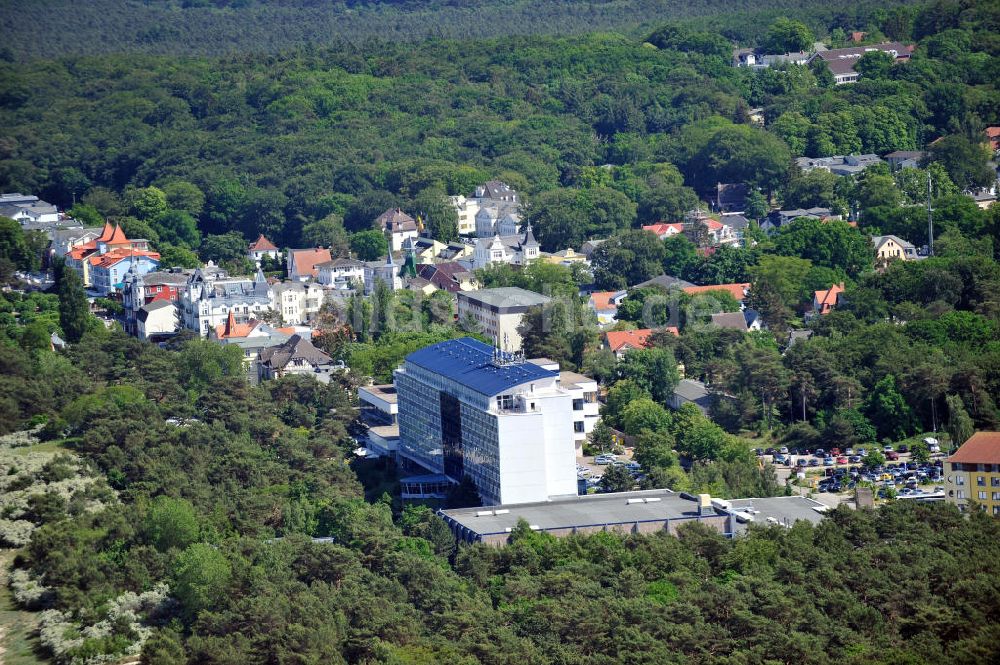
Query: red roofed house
column 104, row 261
column 621, row 342
column 262, row 247
column 605, row 305
column 973, row 473
column 824, row 301
column 231, row 329
column 664, row 231
column 738, row 291
column 302, row 263
column 993, row 136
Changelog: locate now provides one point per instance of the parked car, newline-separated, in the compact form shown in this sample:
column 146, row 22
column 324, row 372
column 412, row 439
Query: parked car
column 863, row 452
column 835, row 452
column 854, row 459
column 888, row 449
column 820, row 452
column 814, row 462
column 902, row 449
column 783, row 450
column 828, row 461
column 802, row 461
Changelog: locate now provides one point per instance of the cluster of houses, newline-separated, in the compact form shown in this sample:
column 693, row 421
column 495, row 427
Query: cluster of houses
column 841, row 61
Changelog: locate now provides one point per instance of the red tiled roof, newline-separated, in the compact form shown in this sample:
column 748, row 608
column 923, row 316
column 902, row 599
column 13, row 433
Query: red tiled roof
column 635, row 339
column 114, row 256
column 262, row 244
column 993, row 132
column 306, row 260
column 827, row 299
column 117, row 237
column 106, row 233
column 738, row 291
column 662, row 229
column 981, row 448
column 601, row 300
column 232, row 329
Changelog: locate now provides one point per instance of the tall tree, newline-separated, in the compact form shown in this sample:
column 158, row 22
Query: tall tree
column 74, row 311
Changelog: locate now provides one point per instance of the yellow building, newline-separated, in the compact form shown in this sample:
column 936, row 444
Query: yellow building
column 973, row 473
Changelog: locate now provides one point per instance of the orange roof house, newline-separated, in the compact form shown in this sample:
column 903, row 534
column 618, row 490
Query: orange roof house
column 824, row 301
column 993, row 136
column 302, row 262
column 231, row 329
column 738, row 291
column 262, row 244
column 664, row 230
column 621, row 341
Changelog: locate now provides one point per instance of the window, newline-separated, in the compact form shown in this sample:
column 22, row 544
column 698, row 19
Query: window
column 996, row 510
column 578, row 405
column 982, row 496
column 959, row 479
column 980, row 481
column 578, row 426
column 996, row 496
column 995, row 482
column 590, row 397
column 960, row 494
column 505, row 402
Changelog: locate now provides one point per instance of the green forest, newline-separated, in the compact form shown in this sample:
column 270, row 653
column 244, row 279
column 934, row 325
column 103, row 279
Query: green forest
column 166, row 511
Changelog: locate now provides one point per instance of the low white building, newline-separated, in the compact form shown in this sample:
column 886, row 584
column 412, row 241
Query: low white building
column 262, row 247
column 382, row 271
column 583, row 392
column 157, row 318
column 379, row 411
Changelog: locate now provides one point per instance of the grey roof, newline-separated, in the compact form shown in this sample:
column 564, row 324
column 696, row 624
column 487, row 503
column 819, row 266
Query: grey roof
column 506, row 296
column 577, row 511
column 666, row 281
column 783, row 510
column 385, row 392
column 164, row 277
column 17, row 197
column 738, row 222
column 797, row 335
column 270, row 340
column 691, row 390
column 878, row 240
column 341, row 263
column 731, row 320
column 296, row 348
column 567, row 379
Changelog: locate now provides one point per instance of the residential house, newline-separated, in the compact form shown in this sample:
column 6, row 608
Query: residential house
column 28, row 210
column 341, row 274
column 825, row 300
column 905, row 159
column 690, row 391
column 397, row 227
column 566, row 257
column 892, row 248
column 620, row 342
column 466, row 209
column 972, row 474
column 588, row 247
column 738, row 291
column 499, row 196
column 382, row 271
column 779, row 218
column 511, row 249
column 139, row 290
column 664, row 231
column 303, row 264
column 605, row 305
column 753, row 318
column 297, row 302
column 499, row 312
column 449, row 276
column 252, row 338
column 665, row 282
column 210, row 295
column 841, row 61
column 111, row 255
column 730, row 321
column 63, row 240
column 731, row 197
column 756, row 59
column 838, row 164
column 156, row 319
column 297, row 356
column 262, row 247
column 497, row 220
column 738, row 225
column 993, row 137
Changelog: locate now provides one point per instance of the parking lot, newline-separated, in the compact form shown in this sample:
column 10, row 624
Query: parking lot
column 592, row 468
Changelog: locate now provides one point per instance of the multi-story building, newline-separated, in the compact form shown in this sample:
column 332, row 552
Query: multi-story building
column 297, row 356
column 498, row 312
column 341, row 274
column 382, row 271
column 104, row 261
column 514, row 249
column 210, row 295
column 297, row 302
column 379, row 411
column 262, row 247
column 972, row 474
column 466, row 409
column 583, row 392
column 498, row 199
column 397, row 227
column 139, row 290
column 303, row 264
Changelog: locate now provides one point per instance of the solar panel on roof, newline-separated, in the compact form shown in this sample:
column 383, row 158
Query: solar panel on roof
column 470, row 363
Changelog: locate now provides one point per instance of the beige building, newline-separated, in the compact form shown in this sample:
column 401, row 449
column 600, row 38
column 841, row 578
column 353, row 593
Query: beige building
column 973, row 473
column 297, row 302
column 893, row 248
column 499, row 312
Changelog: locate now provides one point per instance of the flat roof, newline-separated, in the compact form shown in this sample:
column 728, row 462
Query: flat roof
column 469, row 362
column 385, row 392
column 574, row 379
column 577, row 511
column 385, row 431
column 506, row 296
column 784, row 510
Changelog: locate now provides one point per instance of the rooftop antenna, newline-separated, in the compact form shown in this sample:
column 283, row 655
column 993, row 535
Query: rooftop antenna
column 930, row 219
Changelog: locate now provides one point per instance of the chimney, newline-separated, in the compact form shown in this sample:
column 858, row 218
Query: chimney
column 705, row 507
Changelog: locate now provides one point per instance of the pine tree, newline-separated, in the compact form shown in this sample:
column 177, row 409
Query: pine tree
column 74, row 311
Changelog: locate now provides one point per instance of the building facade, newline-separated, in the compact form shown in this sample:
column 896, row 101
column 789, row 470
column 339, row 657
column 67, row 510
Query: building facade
column 297, row 302
column 972, row 474
column 466, row 409
column 140, row 290
column 210, row 295
column 498, row 312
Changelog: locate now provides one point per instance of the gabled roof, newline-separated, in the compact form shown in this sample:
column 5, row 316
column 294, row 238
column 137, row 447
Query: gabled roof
column 632, row 339
column 661, row 229
column 827, row 298
column 738, row 291
column 881, row 240
column 469, row 362
column 602, row 301
column 296, row 348
column 730, row 320
column 106, row 232
column 117, row 237
column 114, row 256
column 981, row 448
column 305, row 261
column 262, row 244
column 232, row 329
column 394, row 219
column 665, row 281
